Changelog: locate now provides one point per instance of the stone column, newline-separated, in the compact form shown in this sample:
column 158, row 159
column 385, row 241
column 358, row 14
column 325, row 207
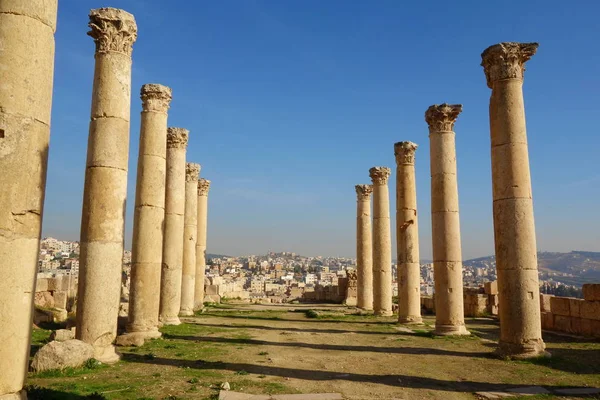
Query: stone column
column 170, row 283
column 26, row 76
column 190, row 231
column 445, row 223
column 382, row 244
column 105, row 190
column 407, row 235
column 364, row 248
column 514, row 228
column 203, row 188
column 148, row 220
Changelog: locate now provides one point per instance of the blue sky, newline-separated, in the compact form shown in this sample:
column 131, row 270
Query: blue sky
column 289, row 103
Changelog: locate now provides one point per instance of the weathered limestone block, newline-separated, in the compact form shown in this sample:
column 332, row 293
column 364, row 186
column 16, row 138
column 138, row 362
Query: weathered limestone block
column 105, row 191
column 44, row 299
column 407, row 235
column 547, row 320
column 591, row 291
column 562, row 323
column 382, row 245
column 514, row 228
column 41, row 285
column 491, row 287
column 149, row 215
column 60, row 299
column 203, row 189
column 62, row 335
column 590, row 310
column 575, row 326
column 60, row 355
column 364, row 247
column 545, row 303
column 560, row 306
column 575, row 307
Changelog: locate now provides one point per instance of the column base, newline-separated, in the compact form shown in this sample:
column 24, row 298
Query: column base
column 451, row 330
column 170, row 321
column 410, row 320
column 383, row 313
column 21, row 395
column 186, row 313
column 521, row 351
column 146, row 333
column 106, row 354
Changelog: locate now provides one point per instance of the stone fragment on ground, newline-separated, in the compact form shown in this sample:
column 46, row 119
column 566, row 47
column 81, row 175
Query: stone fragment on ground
column 60, row 355
column 228, row 395
column 130, row 339
column 62, row 335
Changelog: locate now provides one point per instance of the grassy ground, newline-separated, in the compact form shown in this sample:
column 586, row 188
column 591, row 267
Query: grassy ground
column 274, row 350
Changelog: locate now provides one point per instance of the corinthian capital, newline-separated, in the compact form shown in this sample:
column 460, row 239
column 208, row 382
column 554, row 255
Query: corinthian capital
column 380, row 175
column 155, row 97
column 112, row 30
column 203, row 187
column 177, row 138
column 506, row 60
column 441, row 118
column 363, row 192
column 192, row 170
column 405, row 152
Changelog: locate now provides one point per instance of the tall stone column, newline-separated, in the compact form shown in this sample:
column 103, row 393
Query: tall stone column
column 170, row 282
column 203, row 188
column 190, row 231
column 105, row 190
column 364, row 248
column 382, row 244
column 445, row 222
column 407, row 235
column 514, row 228
column 148, row 220
column 26, row 76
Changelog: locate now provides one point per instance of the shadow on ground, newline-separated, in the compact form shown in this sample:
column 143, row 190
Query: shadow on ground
column 403, row 381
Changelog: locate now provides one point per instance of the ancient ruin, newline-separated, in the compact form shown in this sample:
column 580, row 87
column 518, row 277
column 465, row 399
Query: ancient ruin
column 364, row 247
column 382, row 243
column 149, row 213
column 514, row 228
column 26, row 77
column 202, row 215
column 407, row 235
column 445, row 221
column 102, row 222
column 190, row 231
column 170, row 281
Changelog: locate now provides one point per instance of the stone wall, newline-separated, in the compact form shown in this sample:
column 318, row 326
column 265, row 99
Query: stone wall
column 54, row 298
column 576, row 316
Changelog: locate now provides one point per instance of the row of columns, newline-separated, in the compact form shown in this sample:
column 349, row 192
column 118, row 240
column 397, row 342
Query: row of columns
column 27, row 57
column 514, row 229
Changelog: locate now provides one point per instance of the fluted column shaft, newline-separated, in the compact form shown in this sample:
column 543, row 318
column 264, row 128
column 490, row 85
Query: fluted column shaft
column 382, row 244
column 445, row 222
column 364, row 248
column 203, row 189
column 170, row 282
column 190, row 232
column 26, row 77
column 148, row 220
column 514, row 228
column 105, row 190
column 407, row 235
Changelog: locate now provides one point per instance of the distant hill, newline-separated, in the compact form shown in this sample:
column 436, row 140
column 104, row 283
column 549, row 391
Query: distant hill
column 574, row 268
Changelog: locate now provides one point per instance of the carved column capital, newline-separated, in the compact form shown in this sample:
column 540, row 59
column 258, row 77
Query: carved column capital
column 203, row 187
column 177, row 138
column 363, row 192
column 441, row 118
column 405, row 152
column 192, row 170
column 506, row 60
column 155, row 98
column 113, row 30
column 380, row 175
